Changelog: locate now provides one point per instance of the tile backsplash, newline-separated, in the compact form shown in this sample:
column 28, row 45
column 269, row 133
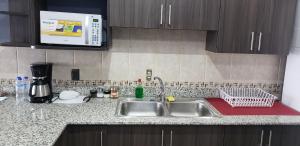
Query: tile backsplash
column 174, row 55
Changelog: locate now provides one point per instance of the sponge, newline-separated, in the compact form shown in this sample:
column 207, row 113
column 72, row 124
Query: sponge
column 170, row 99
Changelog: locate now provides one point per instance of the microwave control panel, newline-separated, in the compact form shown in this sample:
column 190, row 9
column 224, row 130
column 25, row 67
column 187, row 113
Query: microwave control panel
column 96, row 30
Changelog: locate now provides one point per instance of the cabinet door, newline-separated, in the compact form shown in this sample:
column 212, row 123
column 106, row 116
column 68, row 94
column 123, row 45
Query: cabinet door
column 272, row 135
column 243, row 136
column 14, row 22
column 18, row 6
column 137, row 13
column 195, row 136
column 81, row 136
column 290, row 136
column 193, row 14
column 275, row 26
column 238, row 26
column 134, row 136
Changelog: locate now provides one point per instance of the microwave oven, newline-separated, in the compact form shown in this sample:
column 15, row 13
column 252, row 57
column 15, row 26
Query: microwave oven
column 70, row 28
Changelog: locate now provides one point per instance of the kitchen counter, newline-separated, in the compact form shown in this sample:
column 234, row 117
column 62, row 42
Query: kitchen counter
column 41, row 124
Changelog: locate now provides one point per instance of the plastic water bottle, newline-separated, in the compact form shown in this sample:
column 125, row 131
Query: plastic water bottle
column 26, row 86
column 19, row 90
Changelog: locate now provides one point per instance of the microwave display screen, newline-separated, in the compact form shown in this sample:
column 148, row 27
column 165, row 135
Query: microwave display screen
column 95, row 20
column 61, row 28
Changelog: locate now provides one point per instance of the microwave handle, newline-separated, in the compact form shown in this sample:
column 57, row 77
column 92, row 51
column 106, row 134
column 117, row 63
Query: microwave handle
column 86, row 25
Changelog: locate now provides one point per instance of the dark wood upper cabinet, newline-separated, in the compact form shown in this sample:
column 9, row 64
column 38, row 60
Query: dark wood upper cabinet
column 238, row 25
column 193, row 14
column 254, row 26
column 14, row 22
column 171, row 14
column 283, row 19
column 136, row 13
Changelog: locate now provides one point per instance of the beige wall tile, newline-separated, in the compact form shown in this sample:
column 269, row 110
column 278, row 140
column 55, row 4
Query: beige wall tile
column 169, row 40
column 121, row 40
column 8, row 62
column 115, row 66
column 89, row 63
column 174, row 55
column 143, row 40
column 218, row 67
column 192, row 67
column 266, row 68
column 139, row 63
column 193, row 42
column 63, row 62
column 27, row 56
column 167, row 66
column 243, row 67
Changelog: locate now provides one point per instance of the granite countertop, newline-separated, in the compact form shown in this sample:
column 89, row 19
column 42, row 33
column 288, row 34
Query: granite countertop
column 41, row 124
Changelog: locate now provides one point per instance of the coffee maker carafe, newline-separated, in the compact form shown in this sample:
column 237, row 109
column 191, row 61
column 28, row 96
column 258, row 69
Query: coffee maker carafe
column 41, row 87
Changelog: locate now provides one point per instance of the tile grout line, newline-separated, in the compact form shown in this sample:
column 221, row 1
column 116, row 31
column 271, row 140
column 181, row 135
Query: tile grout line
column 101, row 66
column 73, row 58
column 230, row 73
column 17, row 58
column 46, row 56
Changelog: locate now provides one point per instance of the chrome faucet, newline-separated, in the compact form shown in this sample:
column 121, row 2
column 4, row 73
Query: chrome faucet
column 161, row 95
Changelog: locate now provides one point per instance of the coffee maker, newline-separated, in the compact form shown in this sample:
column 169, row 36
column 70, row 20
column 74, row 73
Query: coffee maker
column 41, row 87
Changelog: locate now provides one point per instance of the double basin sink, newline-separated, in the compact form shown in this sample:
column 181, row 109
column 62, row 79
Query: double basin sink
column 140, row 108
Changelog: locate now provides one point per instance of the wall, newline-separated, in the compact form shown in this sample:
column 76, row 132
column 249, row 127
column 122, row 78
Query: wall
column 295, row 47
column 173, row 55
column 290, row 95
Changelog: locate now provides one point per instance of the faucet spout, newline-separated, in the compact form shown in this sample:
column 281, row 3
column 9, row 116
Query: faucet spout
column 162, row 89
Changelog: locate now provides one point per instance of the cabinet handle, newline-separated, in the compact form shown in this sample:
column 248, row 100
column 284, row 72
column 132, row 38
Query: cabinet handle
column 259, row 42
column 161, row 13
column 270, row 138
column 252, row 40
column 101, row 138
column 171, row 138
column 170, row 13
column 162, row 137
column 261, row 138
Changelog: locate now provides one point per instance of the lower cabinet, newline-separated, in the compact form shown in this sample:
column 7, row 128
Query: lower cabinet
column 138, row 135
column 133, row 136
column 164, row 136
column 262, row 136
column 194, row 136
column 81, row 135
column 243, row 136
column 290, row 136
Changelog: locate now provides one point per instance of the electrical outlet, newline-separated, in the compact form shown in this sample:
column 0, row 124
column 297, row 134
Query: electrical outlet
column 75, row 74
column 149, row 74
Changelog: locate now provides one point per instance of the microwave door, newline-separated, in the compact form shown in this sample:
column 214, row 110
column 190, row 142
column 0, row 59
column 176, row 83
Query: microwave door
column 86, row 28
column 64, row 28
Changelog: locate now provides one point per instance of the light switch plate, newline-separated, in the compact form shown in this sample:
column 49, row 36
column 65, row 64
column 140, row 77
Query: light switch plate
column 149, row 74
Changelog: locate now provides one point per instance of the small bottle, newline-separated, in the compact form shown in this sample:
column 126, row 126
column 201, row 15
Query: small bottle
column 19, row 90
column 106, row 92
column 114, row 93
column 139, row 90
column 26, row 86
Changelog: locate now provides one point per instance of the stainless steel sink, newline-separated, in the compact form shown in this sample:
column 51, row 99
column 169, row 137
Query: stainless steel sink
column 191, row 109
column 132, row 107
column 139, row 108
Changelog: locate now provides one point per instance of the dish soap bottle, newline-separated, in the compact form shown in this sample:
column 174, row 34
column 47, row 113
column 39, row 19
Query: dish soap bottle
column 139, row 90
